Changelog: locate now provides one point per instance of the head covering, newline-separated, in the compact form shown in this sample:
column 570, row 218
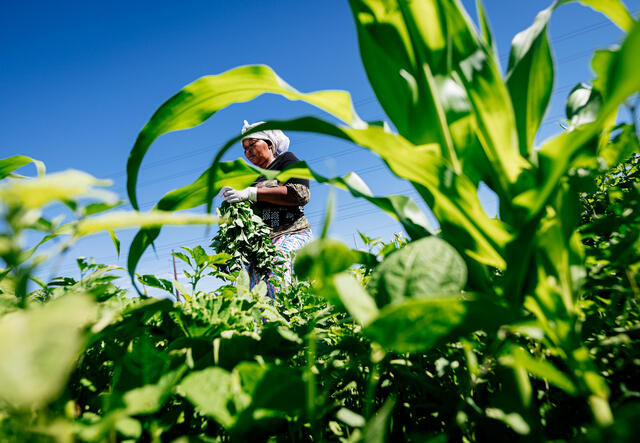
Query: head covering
column 277, row 138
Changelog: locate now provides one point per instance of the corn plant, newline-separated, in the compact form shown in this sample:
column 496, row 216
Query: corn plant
column 459, row 123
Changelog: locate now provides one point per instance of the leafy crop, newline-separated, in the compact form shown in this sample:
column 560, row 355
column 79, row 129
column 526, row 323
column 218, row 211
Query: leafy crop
column 245, row 237
column 523, row 326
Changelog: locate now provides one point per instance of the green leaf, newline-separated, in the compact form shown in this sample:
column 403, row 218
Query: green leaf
column 622, row 145
column 150, row 398
column 199, row 256
column 201, row 99
column 129, row 427
column 556, row 156
column 515, row 357
column 39, row 348
column 356, row 300
column 181, row 289
column 487, row 35
column 583, row 105
column 131, row 219
column 323, row 258
column 210, row 391
column 417, row 325
column 421, row 269
column 530, row 78
column 115, row 240
column 67, row 185
column 182, row 257
column 10, row 164
column 512, row 419
column 219, row 259
column 615, row 10
column 351, row 418
column 249, row 393
column 400, row 76
column 154, row 282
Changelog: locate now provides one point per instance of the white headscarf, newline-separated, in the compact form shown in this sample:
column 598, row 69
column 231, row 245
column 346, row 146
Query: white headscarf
column 275, row 136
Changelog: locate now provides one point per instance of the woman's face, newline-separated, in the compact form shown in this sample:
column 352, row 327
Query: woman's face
column 257, row 152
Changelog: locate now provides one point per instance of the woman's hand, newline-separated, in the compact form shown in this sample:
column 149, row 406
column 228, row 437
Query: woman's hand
column 231, row 195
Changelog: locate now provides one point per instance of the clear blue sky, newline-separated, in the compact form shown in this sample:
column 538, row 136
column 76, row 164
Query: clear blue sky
column 79, row 79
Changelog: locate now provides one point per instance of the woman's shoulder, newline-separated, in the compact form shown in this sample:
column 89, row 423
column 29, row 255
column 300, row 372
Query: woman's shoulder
column 284, row 159
column 289, row 156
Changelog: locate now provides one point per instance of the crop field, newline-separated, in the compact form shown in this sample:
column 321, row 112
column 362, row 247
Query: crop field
column 519, row 327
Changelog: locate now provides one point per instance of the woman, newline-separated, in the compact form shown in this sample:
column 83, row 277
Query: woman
column 279, row 204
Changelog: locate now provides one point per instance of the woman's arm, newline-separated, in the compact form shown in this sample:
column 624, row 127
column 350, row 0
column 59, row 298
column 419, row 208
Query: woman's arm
column 285, row 195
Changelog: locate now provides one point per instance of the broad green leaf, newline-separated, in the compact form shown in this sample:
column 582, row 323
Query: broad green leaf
column 39, row 348
column 150, row 398
column 67, row 185
column 155, row 282
column 251, row 392
column 530, row 78
column 201, row 99
column 266, row 392
column 583, row 105
column 421, row 269
column 199, row 255
column 516, row 357
column 182, row 257
column 129, row 427
column 10, row 164
column 219, row 259
column 210, row 391
column 356, row 300
column 351, row 418
column 323, row 258
column 417, row 325
column 511, row 419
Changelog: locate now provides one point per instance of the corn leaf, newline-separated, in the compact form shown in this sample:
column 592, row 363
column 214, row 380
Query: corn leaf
column 615, row 10
column 67, row 185
column 10, row 164
column 530, row 78
column 619, row 81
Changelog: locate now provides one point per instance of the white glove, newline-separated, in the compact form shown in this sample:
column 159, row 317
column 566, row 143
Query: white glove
column 231, row 195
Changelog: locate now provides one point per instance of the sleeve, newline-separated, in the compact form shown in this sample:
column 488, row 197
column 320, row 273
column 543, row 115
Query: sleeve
column 298, row 193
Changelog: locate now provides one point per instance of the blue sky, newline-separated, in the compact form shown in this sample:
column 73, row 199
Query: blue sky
column 78, row 80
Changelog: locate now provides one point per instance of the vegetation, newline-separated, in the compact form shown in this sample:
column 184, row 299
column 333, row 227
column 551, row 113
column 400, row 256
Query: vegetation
column 523, row 326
